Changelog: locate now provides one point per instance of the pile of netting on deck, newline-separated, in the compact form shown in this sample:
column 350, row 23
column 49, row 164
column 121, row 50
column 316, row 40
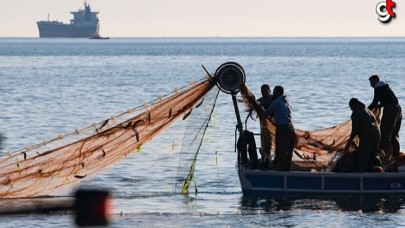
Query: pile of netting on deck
column 48, row 166
column 315, row 149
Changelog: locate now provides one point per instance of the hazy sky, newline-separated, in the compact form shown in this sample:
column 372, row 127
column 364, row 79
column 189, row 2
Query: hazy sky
column 196, row 18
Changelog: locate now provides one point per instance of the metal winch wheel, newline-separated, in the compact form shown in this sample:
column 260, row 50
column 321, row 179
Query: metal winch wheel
column 230, row 77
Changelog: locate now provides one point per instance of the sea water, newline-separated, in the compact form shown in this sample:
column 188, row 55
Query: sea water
column 52, row 86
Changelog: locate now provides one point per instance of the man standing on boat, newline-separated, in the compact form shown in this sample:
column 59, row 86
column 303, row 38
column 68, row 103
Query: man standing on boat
column 391, row 118
column 265, row 135
column 280, row 109
column 365, row 126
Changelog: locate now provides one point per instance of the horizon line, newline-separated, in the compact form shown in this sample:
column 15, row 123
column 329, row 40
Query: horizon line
column 216, row 37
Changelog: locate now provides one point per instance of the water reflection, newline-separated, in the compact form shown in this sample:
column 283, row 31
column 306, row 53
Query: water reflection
column 386, row 203
column 372, row 203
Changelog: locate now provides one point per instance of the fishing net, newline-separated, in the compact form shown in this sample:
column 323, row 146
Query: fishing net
column 60, row 162
column 316, row 149
column 193, row 138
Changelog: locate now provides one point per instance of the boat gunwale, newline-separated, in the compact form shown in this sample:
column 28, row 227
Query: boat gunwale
column 394, row 185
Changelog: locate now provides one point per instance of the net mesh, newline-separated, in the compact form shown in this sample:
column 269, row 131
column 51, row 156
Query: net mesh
column 51, row 165
column 193, row 138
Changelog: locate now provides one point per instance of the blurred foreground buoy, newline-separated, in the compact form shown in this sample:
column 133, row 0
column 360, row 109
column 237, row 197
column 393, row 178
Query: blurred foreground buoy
column 91, row 207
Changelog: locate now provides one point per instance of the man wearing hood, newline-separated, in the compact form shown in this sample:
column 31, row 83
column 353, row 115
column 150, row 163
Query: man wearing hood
column 280, row 109
column 391, row 118
column 365, row 126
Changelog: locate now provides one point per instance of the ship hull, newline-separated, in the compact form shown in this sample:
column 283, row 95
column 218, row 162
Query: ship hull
column 54, row 30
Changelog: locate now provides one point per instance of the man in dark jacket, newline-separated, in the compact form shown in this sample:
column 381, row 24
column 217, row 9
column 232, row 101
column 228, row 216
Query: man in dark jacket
column 365, row 126
column 391, row 119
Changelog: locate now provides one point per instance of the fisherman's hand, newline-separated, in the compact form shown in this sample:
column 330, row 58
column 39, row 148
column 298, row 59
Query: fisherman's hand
column 252, row 101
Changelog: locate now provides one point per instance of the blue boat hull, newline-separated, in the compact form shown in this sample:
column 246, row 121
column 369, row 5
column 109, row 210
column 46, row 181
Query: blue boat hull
column 272, row 183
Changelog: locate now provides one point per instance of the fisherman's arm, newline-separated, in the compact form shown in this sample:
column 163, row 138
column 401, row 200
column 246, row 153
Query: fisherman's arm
column 269, row 112
column 374, row 103
column 355, row 130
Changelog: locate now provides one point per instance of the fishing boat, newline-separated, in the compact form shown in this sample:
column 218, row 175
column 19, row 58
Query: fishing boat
column 308, row 175
column 98, row 37
column 61, row 163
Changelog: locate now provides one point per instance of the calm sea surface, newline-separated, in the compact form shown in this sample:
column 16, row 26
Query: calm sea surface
column 52, row 86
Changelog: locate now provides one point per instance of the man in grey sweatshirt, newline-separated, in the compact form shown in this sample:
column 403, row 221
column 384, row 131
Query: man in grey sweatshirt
column 280, row 110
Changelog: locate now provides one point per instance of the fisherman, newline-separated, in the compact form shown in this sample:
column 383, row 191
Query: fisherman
column 280, row 109
column 265, row 136
column 391, row 118
column 365, row 126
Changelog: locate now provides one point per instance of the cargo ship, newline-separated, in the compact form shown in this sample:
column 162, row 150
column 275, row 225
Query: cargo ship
column 84, row 24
